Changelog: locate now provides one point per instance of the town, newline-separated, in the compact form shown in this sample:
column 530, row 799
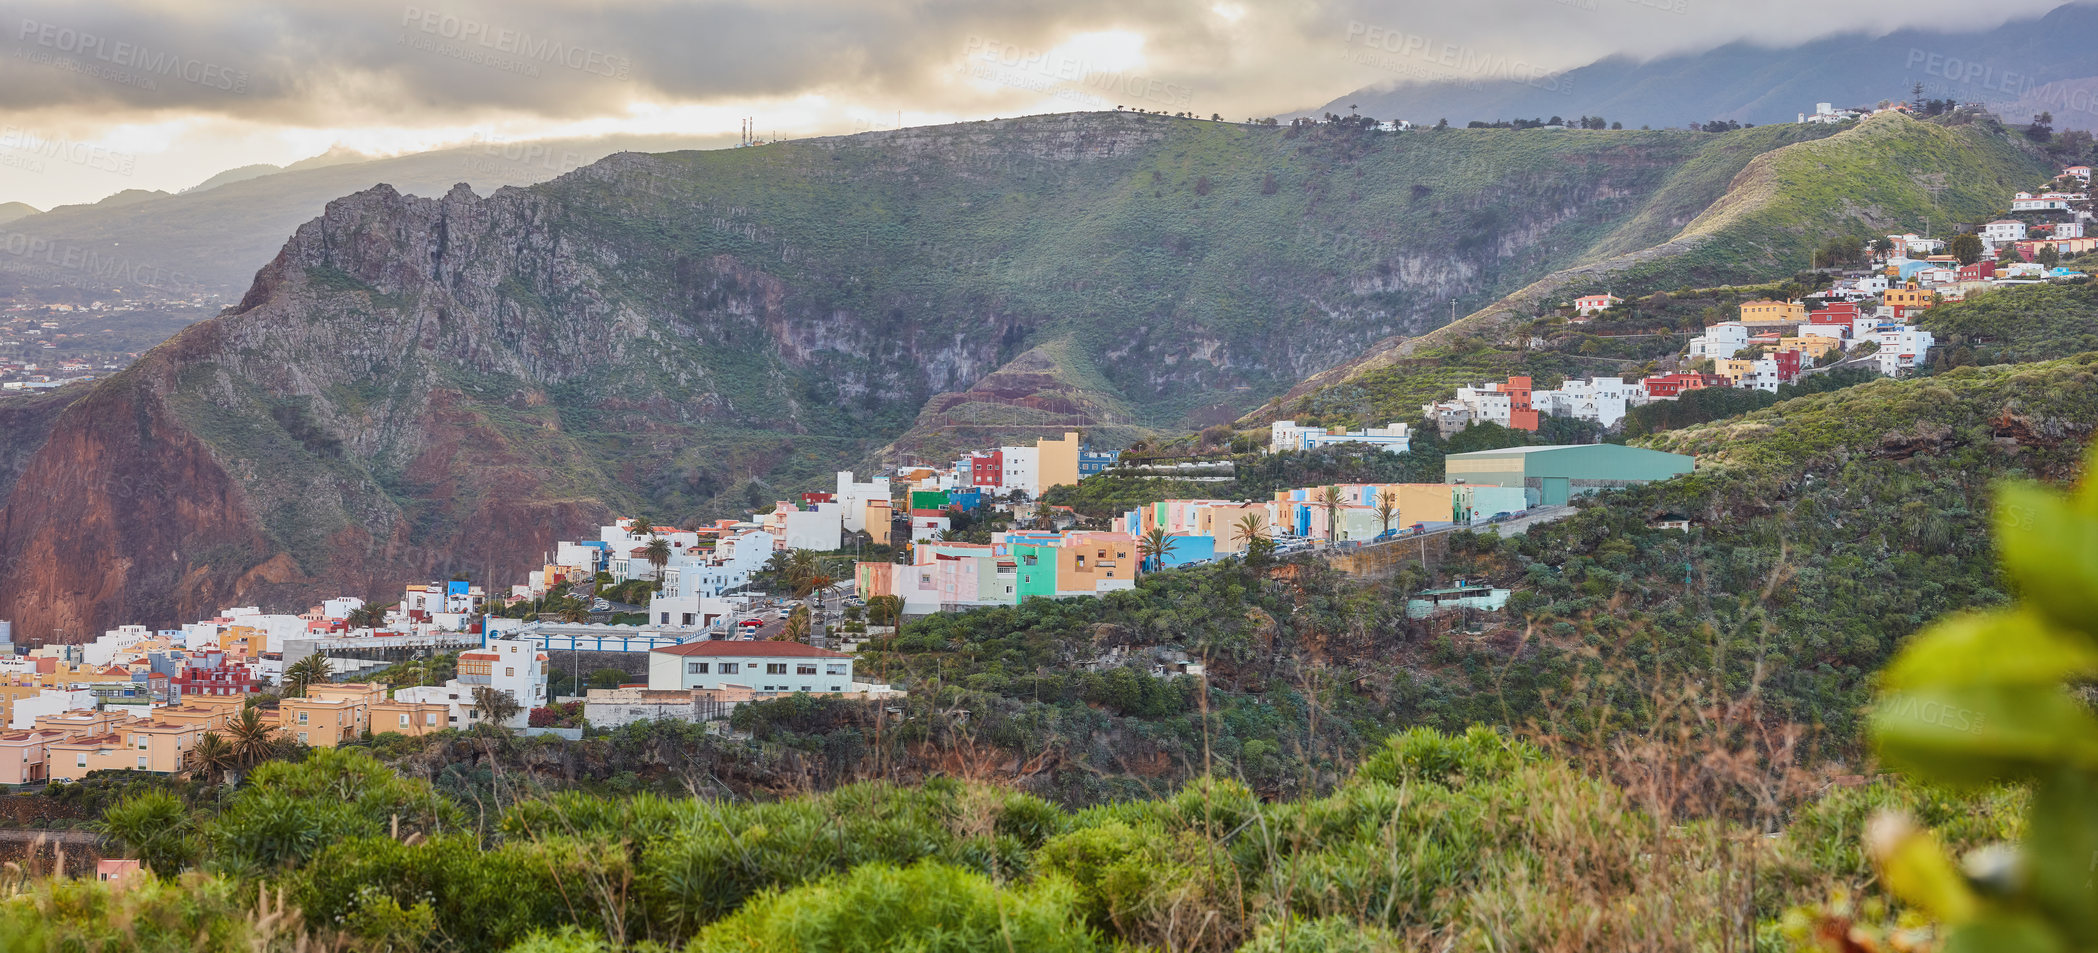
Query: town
column 698, row 620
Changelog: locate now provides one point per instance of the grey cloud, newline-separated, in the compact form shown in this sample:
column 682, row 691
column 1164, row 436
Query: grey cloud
column 319, row 63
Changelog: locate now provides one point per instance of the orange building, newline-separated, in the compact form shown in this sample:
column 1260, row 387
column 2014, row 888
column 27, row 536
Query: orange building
column 1909, row 296
column 1773, row 312
column 1521, row 416
column 158, row 747
column 409, row 718
column 330, row 714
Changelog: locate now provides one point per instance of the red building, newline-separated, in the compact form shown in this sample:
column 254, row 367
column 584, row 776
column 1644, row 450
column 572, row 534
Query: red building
column 1787, row 365
column 1521, row 415
column 224, row 679
column 1979, row 271
column 1673, row 385
column 987, row 469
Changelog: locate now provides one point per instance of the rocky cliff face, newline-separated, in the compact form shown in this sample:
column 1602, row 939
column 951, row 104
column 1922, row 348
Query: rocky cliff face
column 418, row 387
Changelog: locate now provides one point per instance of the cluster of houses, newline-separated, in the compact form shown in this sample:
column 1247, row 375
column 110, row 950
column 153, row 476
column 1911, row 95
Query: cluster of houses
column 1485, row 485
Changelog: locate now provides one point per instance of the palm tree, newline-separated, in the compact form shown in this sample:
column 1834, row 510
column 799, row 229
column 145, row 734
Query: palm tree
column 801, row 570
column 311, row 670
column 1330, row 501
column 252, row 737
column 658, row 550
column 1153, row 548
column 367, row 616
column 213, row 757
column 1250, row 527
column 1387, row 509
column 797, row 627
column 640, row 526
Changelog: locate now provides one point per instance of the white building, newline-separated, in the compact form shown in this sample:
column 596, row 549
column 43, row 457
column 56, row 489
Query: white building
column 853, row 499
column 1826, row 113
column 2002, row 231
column 1720, row 341
column 50, row 701
column 103, row 650
column 515, row 667
column 1022, row 470
column 1901, row 347
column 1284, row 435
column 818, row 527
column 2068, row 230
column 765, row 666
column 1601, row 399
column 340, row 607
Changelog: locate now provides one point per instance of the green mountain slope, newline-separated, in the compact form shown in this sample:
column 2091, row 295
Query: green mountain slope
column 1886, row 174
column 420, row 386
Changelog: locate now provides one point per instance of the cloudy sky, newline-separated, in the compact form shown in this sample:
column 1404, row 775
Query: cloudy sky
column 160, row 94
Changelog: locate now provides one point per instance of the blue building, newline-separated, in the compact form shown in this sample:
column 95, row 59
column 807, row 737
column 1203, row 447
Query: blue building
column 1092, row 461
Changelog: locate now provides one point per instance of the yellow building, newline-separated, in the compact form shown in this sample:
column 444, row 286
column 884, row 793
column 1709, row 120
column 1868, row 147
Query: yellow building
column 155, row 746
column 330, row 714
column 1056, row 461
column 206, row 717
column 409, row 718
column 1811, row 346
column 1221, row 523
column 1097, row 558
column 1773, row 312
column 1734, row 371
column 1910, row 296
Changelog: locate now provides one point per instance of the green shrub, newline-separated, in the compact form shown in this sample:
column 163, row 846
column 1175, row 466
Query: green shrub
column 924, row 908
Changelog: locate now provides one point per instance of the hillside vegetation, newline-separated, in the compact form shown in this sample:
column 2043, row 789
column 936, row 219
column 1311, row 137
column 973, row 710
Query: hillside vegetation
column 1889, row 173
column 418, row 387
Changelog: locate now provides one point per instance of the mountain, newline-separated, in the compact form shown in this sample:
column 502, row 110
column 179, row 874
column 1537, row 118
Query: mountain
column 10, row 211
column 1886, row 174
column 2019, row 68
column 210, row 239
column 422, row 386
column 238, row 174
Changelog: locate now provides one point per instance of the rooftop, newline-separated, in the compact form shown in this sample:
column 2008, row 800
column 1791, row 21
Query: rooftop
column 742, row 649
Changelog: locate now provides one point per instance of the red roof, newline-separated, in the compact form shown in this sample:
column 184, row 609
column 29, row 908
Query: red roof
column 742, row 649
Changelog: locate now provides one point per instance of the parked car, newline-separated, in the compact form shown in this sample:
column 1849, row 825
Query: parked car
column 600, row 606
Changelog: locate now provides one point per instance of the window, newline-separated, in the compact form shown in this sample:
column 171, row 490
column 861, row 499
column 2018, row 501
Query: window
column 430, row 718
column 404, row 719
column 302, row 717
column 836, row 668
column 142, row 762
column 729, row 668
column 509, row 671
column 302, row 737
column 695, row 668
column 805, row 669
column 82, row 762
column 775, row 668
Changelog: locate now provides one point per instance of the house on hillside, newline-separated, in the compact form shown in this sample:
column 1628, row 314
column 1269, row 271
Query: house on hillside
column 1590, row 305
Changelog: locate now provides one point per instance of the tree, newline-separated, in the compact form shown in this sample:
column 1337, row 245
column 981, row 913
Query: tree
column 213, row 758
column 1251, row 527
column 2048, row 255
column 1330, row 502
column 1153, row 548
column 253, row 737
column 366, row 616
column 1387, row 510
column 658, row 551
column 797, row 627
column 495, row 706
column 884, row 610
column 311, row 670
column 641, row 527
column 1967, row 247
column 2042, row 128
column 154, row 828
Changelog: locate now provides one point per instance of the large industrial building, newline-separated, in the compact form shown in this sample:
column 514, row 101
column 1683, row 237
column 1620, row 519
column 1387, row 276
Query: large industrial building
column 1551, row 476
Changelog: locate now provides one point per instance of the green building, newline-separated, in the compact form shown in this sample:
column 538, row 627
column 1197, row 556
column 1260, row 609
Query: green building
column 1035, row 564
column 1550, row 476
column 928, row 499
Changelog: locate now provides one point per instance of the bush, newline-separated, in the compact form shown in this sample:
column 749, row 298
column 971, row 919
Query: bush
column 925, row 908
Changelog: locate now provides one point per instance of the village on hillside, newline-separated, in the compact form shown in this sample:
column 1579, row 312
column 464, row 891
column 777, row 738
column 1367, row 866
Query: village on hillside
column 690, row 622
